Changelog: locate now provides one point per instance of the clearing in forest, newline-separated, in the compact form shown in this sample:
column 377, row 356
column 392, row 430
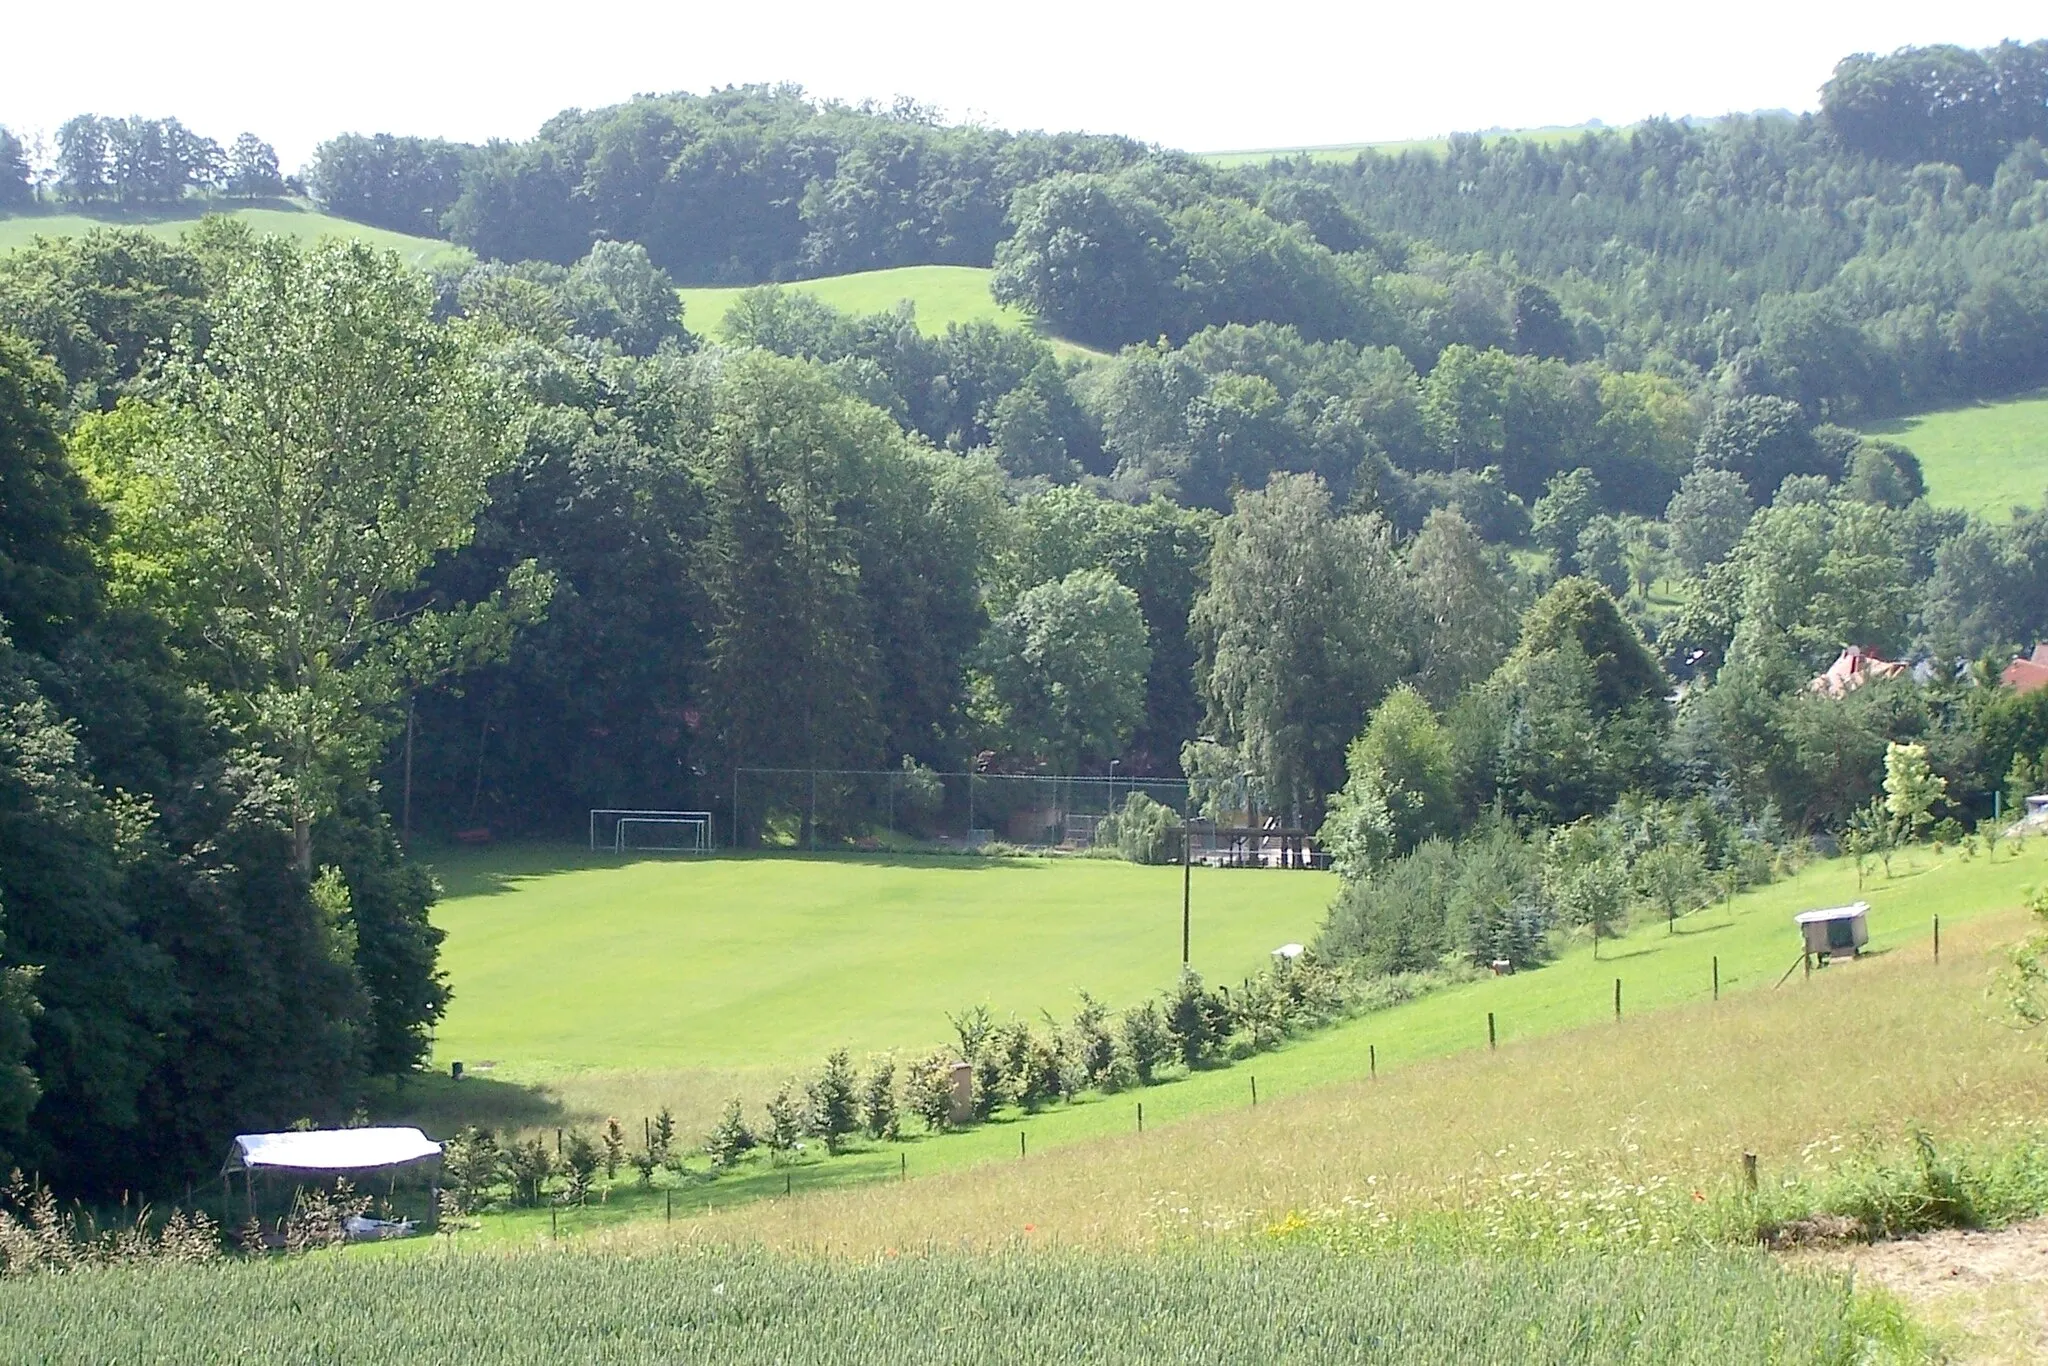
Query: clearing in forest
column 1982, row 457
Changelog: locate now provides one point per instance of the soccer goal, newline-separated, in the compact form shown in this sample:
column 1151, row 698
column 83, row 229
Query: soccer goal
column 683, row 832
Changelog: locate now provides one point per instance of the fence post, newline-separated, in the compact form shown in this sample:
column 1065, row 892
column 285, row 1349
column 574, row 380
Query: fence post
column 668, row 1204
column 1491, row 1040
column 1617, row 998
column 1141, row 1116
column 1937, row 939
column 1749, row 1171
column 1717, row 976
column 1372, row 1059
column 903, row 1166
column 1255, row 1091
column 788, row 1183
column 1020, row 1145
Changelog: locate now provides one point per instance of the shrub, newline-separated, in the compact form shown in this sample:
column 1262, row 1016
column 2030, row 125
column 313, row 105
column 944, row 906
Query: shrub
column 1146, row 1038
column 833, row 1109
column 1092, row 1041
column 528, row 1165
column 785, row 1121
column 928, row 1091
column 472, row 1164
column 580, row 1160
column 1144, row 831
column 614, row 1140
column 1198, row 1018
column 729, row 1138
column 878, row 1102
column 661, row 1142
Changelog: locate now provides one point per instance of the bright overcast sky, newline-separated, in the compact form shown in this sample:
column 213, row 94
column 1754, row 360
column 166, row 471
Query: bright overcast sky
column 1197, row 76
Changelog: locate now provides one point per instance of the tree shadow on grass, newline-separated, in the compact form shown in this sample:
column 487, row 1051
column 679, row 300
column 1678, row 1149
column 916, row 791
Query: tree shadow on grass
column 494, row 869
column 442, row 1106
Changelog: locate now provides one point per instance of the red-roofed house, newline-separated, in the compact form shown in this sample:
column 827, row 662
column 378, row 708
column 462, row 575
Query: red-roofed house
column 2028, row 672
column 1851, row 670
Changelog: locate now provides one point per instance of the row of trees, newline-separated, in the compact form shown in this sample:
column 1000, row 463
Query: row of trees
column 138, row 161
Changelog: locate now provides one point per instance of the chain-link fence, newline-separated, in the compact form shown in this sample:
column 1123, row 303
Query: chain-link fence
column 839, row 809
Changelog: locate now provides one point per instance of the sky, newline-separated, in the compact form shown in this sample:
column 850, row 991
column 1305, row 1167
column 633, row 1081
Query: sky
column 1192, row 75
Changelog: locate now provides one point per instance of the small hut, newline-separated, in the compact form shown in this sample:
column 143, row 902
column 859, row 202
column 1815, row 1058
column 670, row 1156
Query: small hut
column 1835, row 929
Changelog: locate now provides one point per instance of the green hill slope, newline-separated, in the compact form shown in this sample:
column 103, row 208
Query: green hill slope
column 943, row 294
column 1983, row 457
column 282, row 218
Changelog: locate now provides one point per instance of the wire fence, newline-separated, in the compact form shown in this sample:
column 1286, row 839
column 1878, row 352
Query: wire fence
column 827, row 809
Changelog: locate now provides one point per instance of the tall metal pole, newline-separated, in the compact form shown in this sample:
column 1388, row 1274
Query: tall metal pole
column 1187, row 883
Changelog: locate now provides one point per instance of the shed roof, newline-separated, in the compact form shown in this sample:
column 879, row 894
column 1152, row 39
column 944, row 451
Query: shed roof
column 330, row 1150
column 1848, row 912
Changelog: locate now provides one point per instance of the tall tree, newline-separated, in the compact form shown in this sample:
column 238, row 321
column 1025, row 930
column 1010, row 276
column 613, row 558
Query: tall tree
column 1066, row 666
column 82, row 158
column 330, row 443
column 1306, row 622
column 251, row 171
column 1468, row 611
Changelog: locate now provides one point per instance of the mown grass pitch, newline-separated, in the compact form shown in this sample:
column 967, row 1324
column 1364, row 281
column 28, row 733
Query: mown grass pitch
column 567, row 961
column 277, row 218
column 1983, row 457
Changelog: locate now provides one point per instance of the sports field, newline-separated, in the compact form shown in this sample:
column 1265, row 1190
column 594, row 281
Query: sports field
column 943, row 294
column 281, row 218
column 571, row 962
column 1982, row 457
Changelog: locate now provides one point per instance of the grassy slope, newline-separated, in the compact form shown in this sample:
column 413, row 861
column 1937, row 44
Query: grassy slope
column 1984, row 457
column 943, row 294
column 1672, row 1095
column 1754, row 942
column 732, row 962
column 281, row 217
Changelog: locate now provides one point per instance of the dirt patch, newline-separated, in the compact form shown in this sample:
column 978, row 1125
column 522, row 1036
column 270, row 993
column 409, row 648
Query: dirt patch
column 1985, row 1293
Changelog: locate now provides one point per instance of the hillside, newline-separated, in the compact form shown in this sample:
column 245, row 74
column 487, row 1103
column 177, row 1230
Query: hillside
column 1346, row 151
column 283, row 218
column 1983, row 457
column 943, row 294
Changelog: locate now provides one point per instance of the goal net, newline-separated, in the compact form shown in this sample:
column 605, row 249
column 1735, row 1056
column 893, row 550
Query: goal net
column 686, row 832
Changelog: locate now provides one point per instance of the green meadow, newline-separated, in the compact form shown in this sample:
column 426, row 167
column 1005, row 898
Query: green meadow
column 943, row 294
column 614, row 990
column 282, row 218
column 1982, row 457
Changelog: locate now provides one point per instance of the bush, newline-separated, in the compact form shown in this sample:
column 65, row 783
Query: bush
column 730, row 1137
column 528, row 1165
column 1146, row 1038
column 1092, row 1041
column 878, row 1102
column 928, row 1091
column 1144, row 831
column 472, row 1164
column 785, row 1121
column 579, row 1165
column 1198, row 1017
column 833, row 1108
column 614, row 1139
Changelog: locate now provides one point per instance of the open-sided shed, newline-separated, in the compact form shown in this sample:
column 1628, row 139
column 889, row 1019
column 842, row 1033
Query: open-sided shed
column 1835, row 929
column 314, row 1155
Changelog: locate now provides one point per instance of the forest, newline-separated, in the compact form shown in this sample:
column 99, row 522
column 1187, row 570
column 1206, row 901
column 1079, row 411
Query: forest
column 1490, row 512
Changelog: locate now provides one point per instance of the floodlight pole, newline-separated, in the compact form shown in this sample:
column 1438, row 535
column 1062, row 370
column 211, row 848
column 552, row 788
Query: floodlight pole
column 1187, row 882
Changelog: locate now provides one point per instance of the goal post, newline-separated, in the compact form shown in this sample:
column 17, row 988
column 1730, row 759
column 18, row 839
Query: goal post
column 621, row 831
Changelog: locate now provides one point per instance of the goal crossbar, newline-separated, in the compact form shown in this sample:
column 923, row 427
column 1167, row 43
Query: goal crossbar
column 619, row 819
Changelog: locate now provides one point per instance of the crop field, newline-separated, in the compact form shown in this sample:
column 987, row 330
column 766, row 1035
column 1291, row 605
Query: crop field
column 1272, row 1306
column 943, row 294
column 281, row 218
column 1984, row 457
